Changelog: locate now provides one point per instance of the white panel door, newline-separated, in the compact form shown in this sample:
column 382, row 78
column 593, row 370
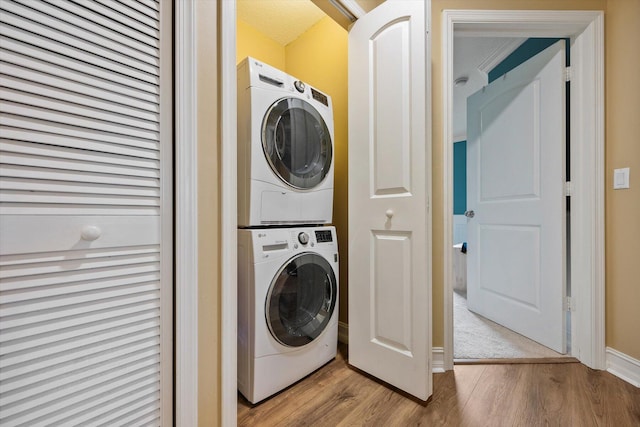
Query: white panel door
column 85, row 213
column 389, row 168
column 515, row 187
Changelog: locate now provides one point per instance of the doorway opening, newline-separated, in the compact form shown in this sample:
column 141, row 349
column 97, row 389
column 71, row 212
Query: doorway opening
column 495, row 165
column 585, row 121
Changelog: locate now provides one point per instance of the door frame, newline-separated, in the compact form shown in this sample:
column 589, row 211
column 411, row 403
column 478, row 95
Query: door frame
column 586, row 31
column 228, row 137
column 187, row 16
column 186, row 215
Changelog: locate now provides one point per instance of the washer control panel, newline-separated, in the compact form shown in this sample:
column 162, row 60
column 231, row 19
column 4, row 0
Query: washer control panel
column 276, row 242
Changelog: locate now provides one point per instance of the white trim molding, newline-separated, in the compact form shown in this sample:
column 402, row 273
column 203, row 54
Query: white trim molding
column 229, row 189
column 586, row 31
column 350, row 7
column 624, row 367
column 499, row 54
column 186, row 217
column 437, row 360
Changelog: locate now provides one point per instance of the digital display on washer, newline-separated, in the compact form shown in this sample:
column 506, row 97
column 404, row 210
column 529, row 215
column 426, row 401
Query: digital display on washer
column 324, row 236
column 319, row 97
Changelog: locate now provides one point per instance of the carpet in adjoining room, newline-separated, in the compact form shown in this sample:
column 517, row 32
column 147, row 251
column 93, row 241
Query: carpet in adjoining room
column 476, row 337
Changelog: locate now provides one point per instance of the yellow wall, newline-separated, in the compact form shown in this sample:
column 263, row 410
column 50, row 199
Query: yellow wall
column 309, row 59
column 622, row 93
column 251, row 42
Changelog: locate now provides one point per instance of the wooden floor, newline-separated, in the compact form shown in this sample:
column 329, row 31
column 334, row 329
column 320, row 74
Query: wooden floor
column 568, row 394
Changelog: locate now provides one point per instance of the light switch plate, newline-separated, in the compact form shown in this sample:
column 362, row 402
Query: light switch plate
column 620, row 178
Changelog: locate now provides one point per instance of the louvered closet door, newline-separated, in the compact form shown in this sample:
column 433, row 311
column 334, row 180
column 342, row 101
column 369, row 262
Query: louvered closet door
column 85, row 204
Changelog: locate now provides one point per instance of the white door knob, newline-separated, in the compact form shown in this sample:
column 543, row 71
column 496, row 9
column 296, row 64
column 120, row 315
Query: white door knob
column 389, row 213
column 90, row 232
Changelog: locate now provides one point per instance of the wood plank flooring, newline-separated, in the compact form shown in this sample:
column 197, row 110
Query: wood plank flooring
column 567, row 394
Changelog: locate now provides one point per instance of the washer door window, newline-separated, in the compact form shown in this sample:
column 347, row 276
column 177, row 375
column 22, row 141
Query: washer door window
column 301, row 300
column 297, row 143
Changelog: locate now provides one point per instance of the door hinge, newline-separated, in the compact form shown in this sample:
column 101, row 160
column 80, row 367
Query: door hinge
column 568, row 304
column 567, row 74
column 568, row 189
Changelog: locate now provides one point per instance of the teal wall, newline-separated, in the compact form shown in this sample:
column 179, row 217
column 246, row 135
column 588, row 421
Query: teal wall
column 459, row 177
column 525, row 51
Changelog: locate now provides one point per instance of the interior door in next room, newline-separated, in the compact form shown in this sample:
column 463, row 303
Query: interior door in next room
column 515, row 199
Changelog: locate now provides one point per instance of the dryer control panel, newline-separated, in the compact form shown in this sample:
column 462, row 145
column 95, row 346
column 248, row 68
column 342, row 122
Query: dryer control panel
column 254, row 73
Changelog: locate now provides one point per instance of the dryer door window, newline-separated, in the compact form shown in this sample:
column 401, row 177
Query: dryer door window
column 297, row 143
column 301, row 300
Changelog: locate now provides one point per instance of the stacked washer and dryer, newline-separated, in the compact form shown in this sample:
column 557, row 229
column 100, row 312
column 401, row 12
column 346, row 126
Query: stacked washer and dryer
column 287, row 255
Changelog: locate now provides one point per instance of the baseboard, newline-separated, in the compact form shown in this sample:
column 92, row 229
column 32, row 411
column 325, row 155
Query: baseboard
column 624, row 367
column 343, row 332
column 437, row 353
column 437, row 360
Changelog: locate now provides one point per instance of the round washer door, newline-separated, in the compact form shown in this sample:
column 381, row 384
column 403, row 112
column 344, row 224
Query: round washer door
column 297, row 143
column 301, row 300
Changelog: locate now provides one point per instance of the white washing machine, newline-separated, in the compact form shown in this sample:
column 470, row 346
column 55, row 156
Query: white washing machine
column 287, row 306
column 285, row 149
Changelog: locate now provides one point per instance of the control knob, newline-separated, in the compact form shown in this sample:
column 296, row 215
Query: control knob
column 299, row 86
column 303, row 238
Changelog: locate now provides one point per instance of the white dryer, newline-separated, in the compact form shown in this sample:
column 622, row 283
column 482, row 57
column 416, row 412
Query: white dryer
column 285, row 149
column 287, row 306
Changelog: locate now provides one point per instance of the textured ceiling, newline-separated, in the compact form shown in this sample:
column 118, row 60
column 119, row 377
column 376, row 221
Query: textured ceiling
column 281, row 20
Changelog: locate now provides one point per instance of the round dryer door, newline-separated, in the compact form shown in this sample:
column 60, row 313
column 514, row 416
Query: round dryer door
column 297, row 143
column 301, row 300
